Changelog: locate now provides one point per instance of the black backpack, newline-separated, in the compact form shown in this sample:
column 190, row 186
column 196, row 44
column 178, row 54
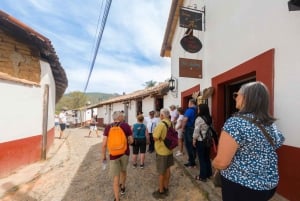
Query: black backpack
column 210, row 135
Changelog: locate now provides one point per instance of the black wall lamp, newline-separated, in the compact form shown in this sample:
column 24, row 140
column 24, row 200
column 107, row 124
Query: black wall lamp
column 294, row 5
column 171, row 84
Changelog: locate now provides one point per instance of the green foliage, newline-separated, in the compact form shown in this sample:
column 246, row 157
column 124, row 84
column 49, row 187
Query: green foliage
column 77, row 99
column 149, row 84
column 98, row 97
column 72, row 100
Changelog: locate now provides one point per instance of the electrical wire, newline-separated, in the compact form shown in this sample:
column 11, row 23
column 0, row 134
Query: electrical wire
column 106, row 11
column 96, row 34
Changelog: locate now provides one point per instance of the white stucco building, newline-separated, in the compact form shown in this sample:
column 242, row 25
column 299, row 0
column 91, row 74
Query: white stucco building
column 31, row 82
column 245, row 41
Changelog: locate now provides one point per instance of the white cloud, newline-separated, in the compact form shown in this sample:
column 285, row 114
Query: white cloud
column 129, row 54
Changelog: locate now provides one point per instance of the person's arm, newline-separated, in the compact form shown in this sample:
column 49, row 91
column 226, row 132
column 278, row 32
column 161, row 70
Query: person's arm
column 130, row 139
column 226, row 151
column 104, row 142
column 184, row 122
column 147, row 136
column 104, row 146
column 157, row 132
column 130, row 135
column 178, row 125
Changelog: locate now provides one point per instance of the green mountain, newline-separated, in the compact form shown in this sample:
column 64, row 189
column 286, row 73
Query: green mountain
column 95, row 97
column 78, row 99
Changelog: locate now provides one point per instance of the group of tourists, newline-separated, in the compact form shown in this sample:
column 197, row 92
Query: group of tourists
column 246, row 157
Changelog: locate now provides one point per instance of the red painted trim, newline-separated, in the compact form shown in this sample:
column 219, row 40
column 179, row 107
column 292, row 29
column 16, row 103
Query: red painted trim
column 262, row 67
column 187, row 94
column 289, row 166
column 18, row 153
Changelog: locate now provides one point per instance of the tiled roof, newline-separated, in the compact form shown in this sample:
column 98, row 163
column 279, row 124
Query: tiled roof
column 171, row 27
column 47, row 52
column 160, row 89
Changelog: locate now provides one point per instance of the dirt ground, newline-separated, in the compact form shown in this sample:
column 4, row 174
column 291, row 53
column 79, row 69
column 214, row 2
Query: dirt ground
column 75, row 174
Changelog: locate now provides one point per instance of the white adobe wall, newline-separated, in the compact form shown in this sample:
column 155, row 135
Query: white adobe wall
column 21, row 111
column 22, row 107
column 47, row 78
column 148, row 105
column 239, row 30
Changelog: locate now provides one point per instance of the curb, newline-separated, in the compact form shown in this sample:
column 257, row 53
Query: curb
column 206, row 188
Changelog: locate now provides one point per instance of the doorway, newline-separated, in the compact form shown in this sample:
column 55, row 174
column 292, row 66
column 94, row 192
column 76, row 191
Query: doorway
column 159, row 103
column 139, row 106
column 230, row 88
column 187, row 95
column 260, row 68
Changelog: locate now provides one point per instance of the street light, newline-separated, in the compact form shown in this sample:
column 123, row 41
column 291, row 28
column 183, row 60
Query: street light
column 171, row 84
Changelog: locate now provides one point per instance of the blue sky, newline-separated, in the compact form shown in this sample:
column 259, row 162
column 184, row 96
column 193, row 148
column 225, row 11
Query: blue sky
column 129, row 53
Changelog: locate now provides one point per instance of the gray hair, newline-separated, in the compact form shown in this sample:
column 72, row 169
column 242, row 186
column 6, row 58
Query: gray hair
column 165, row 112
column 117, row 114
column 256, row 101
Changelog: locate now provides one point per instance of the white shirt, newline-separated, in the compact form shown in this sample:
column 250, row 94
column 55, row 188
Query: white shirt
column 62, row 117
column 179, row 123
column 174, row 114
column 151, row 124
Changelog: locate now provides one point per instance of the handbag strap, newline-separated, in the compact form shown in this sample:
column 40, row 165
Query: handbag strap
column 263, row 130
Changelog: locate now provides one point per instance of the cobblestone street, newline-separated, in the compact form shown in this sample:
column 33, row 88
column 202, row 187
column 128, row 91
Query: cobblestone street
column 74, row 173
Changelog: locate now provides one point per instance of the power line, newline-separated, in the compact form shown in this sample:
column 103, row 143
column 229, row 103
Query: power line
column 106, row 10
column 96, row 34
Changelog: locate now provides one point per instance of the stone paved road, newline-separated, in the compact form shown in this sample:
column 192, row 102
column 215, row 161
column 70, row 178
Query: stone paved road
column 74, row 174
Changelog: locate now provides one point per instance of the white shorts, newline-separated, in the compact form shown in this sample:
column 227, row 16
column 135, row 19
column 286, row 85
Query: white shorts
column 93, row 128
column 180, row 135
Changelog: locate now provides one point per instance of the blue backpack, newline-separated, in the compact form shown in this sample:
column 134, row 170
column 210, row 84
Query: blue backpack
column 139, row 130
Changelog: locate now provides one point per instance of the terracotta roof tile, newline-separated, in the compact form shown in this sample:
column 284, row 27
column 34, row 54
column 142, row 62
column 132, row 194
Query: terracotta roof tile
column 160, row 89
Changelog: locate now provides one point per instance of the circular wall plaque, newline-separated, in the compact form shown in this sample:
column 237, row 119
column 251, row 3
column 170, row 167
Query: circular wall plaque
column 191, row 44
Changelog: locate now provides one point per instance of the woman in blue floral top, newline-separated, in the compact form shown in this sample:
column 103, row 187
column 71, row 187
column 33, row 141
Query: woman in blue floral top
column 246, row 158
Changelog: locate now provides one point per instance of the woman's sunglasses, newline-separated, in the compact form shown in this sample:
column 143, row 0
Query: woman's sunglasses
column 234, row 95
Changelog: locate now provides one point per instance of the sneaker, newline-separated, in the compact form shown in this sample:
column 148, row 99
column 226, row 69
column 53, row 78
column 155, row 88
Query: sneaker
column 134, row 165
column 179, row 153
column 141, row 166
column 166, row 191
column 122, row 191
column 158, row 195
column 190, row 165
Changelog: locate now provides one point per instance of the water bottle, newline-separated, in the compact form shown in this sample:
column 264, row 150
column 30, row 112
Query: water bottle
column 104, row 164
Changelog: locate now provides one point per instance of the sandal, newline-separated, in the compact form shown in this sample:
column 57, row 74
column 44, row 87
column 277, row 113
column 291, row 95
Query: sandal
column 198, row 178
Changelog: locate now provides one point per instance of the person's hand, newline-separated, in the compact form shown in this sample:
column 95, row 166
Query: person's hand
column 194, row 143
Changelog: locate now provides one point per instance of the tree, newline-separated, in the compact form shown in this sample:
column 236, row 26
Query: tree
column 149, row 84
column 73, row 100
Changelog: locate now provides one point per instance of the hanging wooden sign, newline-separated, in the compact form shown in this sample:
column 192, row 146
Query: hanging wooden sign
column 191, row 44
column 190, row 18
column 190, row 68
